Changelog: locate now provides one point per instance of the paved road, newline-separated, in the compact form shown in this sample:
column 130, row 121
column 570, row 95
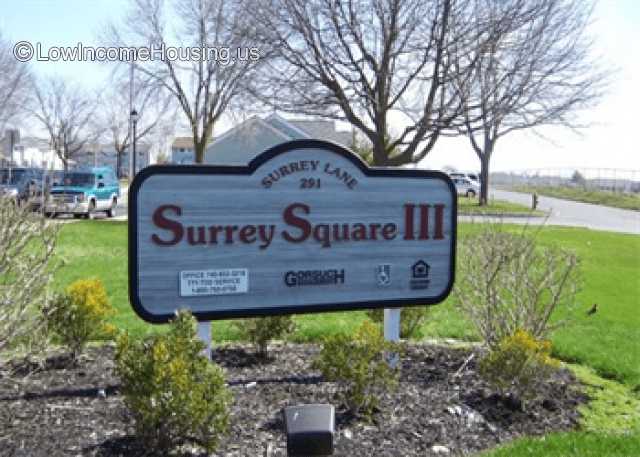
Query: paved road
column 561, row 212
column 566, row 212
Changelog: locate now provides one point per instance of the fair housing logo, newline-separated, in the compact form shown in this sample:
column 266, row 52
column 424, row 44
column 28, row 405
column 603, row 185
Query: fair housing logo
column 25, row 51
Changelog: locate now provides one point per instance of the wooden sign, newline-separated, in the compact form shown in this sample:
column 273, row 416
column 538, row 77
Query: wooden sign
column 306, row 227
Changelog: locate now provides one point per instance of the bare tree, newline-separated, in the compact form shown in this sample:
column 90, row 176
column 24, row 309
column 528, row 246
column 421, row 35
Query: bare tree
column 366, row 62
column 67, row 112
column 154, row 111
column 212, row 55
column 14, row 80
column 533, row 67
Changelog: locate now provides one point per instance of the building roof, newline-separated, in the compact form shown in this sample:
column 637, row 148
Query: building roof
column 34, row 142
column 182, row 142
column 246, row 140
column 323, row 129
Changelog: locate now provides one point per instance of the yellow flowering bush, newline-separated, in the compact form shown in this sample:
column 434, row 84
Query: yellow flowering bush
column 79, row 314
column 174, row 394
column 518, row 364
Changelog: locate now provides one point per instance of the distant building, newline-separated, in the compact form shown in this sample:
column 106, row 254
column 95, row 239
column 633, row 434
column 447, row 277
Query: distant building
column 27, row 152
column 245, row 141
column 240, row 144
column 104, row 155
column 182, row 150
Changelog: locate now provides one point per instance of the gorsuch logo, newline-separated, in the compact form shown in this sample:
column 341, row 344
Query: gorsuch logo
column 313, row 277
column 420, row 275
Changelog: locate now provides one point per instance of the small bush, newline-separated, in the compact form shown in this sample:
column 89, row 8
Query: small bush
column 174, row 393
column 79, row 314
column 411, row 320
column 508, row 281
column 261, row 330
column 27, row 247
column 358, row 363
column 518, row 365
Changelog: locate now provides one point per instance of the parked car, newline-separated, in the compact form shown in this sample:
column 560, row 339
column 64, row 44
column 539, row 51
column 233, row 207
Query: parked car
column 23, row 185
column 466, row 187
column 83, row 193
column 474, row 177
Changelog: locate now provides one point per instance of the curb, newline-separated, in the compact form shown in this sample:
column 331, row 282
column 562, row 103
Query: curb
column 522, row 215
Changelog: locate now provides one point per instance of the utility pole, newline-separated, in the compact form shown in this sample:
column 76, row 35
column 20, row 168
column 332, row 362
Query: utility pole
column 134, row 120
column 12, row 141
column 132, row 170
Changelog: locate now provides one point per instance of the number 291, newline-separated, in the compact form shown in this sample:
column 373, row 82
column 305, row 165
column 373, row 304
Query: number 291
column 310, row 183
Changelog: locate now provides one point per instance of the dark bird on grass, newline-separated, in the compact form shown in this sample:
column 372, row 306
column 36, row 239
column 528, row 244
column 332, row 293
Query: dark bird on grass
column 593, row 310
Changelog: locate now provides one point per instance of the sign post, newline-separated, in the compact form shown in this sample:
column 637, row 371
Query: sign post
column 392, row 330
column 305, row 227
column 204, row 333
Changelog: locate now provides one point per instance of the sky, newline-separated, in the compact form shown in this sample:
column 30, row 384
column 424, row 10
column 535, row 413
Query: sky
column 608, row 142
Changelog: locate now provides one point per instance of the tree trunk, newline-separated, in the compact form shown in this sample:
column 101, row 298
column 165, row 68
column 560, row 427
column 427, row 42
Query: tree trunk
column 379, row 153
column 118, row 164
column 484, row 179
column 199, row 148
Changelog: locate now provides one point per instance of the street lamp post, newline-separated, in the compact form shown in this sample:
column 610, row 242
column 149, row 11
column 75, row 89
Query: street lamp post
column 134, row 120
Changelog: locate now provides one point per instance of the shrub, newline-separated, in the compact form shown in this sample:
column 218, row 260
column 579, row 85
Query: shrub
column 358, row 363
column 174, row 393
column 411, row 320
column 507, row 281
column 518, row 365
column 79, row 314
column 27, row 245
column 261, row 330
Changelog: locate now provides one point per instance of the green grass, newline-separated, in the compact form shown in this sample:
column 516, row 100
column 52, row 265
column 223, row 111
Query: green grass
column 99, row 249
column 600, row 197
column 572, row 444
column 470, row 206
column 609, row 423
column 613, row 407
column 608, row 341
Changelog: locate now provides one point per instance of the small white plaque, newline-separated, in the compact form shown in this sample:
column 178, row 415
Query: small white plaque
column 194, row 283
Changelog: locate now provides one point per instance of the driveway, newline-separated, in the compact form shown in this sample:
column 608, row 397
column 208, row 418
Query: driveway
column 576, row 214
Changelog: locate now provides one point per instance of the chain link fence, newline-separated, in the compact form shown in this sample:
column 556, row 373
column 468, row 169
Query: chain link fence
column 609, row 179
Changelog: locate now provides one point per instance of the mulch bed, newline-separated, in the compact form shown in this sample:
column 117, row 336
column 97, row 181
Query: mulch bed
column 57, row 410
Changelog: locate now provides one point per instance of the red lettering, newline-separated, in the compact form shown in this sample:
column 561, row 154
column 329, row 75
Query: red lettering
column 372, row 230
column 302, row 224
column 247, row 234
column 344, row 236
column 359, row 232
column 408, row 221
column 424, row 222
column 228, row 230
column 322, row 234
column 201, row 235
column 439, row 230
column 163, row 222
column 213, row 233
column 389, row 231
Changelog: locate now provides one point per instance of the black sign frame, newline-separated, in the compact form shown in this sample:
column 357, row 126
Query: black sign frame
column 256, row 163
